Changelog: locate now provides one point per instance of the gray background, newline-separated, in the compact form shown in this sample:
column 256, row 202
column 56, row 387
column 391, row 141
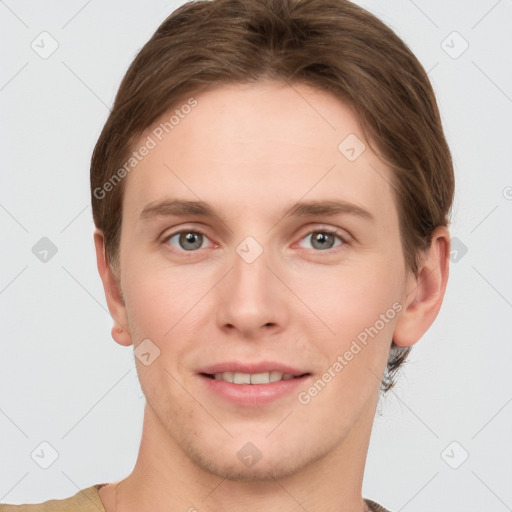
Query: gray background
column 65, row 382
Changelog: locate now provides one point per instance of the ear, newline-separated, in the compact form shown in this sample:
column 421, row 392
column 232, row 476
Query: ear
column 425, row 291
column 113, row 295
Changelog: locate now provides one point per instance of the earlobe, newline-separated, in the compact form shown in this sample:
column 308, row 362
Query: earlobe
column 426, row 291
column 120, row 335
column 113, row 295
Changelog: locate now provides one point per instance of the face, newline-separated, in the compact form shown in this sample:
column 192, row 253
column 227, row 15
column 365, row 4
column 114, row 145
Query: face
column 291, row 266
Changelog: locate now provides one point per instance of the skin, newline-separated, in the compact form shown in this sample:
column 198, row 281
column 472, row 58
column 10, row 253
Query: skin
column 252, row 152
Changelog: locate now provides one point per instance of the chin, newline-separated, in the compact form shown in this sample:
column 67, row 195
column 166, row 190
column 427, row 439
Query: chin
column 269, row 464
column 261, row 471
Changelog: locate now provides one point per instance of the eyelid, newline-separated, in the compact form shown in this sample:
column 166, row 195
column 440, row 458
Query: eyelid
column 167, row 237
column 343, row 235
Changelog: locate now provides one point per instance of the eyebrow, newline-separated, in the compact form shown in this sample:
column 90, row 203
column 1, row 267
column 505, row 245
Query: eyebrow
column 184, row 208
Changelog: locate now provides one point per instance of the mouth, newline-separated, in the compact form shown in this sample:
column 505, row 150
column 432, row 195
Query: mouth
column 253, row 384
column 253, row 378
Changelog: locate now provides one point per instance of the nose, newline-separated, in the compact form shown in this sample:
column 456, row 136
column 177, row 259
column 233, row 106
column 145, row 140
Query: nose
column 251, row 298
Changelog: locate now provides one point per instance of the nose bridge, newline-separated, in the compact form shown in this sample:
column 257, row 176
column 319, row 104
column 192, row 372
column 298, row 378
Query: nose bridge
column 250, row 298
column 250, row 275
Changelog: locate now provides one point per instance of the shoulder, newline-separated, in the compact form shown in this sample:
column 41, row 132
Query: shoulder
column 86, row 500
column 373, row 506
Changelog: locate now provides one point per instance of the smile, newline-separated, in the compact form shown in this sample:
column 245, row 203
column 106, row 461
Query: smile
column 252, row 378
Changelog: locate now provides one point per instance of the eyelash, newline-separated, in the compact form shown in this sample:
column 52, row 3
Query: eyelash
column 328, row 231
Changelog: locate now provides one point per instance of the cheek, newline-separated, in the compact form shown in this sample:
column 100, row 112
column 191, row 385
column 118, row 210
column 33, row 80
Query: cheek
column 352, row 296
column 361, row 309
column 166, row 304
column 155, row 291
column 360, row 306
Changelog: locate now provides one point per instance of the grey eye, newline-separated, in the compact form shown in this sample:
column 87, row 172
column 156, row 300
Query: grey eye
column 322, row 240
column 187, row 240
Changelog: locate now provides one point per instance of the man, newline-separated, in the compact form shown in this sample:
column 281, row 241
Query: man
column 271, row 194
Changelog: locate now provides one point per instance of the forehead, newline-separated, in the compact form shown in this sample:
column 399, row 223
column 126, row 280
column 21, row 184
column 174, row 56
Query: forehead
column 248, row 145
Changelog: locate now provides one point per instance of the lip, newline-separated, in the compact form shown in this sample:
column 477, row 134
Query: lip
column 261, row 367
column 252, row 395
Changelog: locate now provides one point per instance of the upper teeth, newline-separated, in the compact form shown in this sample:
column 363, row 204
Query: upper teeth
column 253, row 378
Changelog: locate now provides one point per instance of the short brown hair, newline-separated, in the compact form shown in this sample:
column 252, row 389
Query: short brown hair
column 332, row 45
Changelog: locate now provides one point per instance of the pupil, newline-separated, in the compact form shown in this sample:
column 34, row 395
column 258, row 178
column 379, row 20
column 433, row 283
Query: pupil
column 190, row 238
column 322, row 238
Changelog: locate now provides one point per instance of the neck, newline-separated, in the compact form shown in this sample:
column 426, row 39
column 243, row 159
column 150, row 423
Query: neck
column 165, row 479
